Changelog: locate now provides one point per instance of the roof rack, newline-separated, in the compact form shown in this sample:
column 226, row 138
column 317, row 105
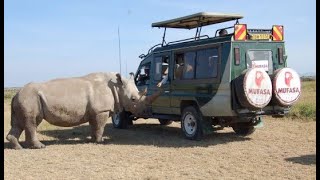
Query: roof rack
column 197, row 20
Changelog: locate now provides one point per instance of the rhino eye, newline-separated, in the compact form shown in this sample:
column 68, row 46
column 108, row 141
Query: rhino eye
column 133, row 98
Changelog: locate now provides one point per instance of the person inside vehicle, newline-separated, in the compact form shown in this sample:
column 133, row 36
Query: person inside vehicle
column 164, row 75
column 179, row 67
column 143, row 78
column 223, row 32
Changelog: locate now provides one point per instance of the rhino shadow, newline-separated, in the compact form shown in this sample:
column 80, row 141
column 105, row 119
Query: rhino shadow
column 78, row 135
column 7, row 145
column 139, row 134
column 304, row 160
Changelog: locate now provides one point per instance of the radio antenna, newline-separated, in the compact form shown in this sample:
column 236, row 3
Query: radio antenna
column 119, row 49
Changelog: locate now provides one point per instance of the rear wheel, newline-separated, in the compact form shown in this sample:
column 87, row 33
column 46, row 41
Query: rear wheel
column 120, row 120
column 165, row 122
column 191, row 123
column 243, row 130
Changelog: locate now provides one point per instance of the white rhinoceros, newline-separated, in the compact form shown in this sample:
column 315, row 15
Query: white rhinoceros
column 70, row 102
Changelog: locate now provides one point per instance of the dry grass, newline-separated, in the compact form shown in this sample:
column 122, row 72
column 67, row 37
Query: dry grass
column 282, row 149
column 305, row 107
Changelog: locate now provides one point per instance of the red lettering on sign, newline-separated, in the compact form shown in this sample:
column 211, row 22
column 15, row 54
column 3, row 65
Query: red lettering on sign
column 288, row 90
column 259, row 91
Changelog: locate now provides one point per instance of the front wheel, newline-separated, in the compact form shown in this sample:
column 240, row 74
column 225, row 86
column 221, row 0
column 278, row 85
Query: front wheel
column 120, row 120
column 191, row 123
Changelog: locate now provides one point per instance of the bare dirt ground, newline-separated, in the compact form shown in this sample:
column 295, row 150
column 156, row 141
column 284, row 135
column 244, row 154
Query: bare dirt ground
column 282, row 149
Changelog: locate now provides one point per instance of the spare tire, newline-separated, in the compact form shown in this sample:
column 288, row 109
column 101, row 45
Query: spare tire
column 253, row 88
column 286, row 85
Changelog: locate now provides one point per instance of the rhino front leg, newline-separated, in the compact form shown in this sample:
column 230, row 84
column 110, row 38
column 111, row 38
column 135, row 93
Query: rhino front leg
column 31, row 135
column 97, row 126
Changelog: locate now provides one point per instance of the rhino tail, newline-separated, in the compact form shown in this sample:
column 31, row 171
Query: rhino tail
column 41, row 103
column 13, row 112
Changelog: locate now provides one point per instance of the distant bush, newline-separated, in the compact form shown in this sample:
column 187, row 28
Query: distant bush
column 308, row 79
column 303, row 111
column 8, row 94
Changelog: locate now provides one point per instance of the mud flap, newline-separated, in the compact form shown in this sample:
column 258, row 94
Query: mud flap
column 259, row 123
column 207, row 126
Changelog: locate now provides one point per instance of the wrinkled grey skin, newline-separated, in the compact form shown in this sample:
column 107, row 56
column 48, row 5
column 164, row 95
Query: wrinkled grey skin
column 70, row 102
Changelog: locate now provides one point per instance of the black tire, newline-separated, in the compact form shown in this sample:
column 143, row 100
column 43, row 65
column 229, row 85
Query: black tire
column 191, row 123
column 120, row 120
column 243, row 130
column 165, row 122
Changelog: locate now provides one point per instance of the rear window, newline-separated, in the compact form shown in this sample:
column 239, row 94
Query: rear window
column 260, row 59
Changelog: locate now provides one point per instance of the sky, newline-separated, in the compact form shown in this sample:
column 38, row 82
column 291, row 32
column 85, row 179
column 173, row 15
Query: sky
column 48, row 39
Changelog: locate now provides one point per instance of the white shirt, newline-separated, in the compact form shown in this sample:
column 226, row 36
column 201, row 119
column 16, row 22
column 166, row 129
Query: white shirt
column 164, row 79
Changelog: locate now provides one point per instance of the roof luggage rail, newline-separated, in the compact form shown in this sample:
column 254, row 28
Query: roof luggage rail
column 188, row 39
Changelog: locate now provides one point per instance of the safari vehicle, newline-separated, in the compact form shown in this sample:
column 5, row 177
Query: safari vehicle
column 230, row 78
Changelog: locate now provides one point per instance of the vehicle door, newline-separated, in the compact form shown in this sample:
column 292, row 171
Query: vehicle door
column 161, row 67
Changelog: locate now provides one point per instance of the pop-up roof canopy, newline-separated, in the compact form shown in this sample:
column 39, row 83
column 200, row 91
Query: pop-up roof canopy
column 197, row 20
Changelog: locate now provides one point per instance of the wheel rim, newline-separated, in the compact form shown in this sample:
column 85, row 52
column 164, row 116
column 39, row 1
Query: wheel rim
column 116, row 118
column 190, row 124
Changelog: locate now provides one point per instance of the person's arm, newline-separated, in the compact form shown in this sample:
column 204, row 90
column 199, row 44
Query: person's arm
column 163, row 81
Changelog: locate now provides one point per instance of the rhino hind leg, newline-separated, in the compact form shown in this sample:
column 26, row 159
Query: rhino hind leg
column 31, row 134
column 13, row 137
column 97, row 126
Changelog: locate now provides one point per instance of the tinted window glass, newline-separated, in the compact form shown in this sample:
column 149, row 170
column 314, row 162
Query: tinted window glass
column 158, row 68
column 143, row 75
column 189, row 62
column 179, row 63
column 207, row 63
column 260, row 59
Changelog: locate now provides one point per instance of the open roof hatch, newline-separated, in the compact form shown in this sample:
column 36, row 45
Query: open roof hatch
column 193, row 21
column 197, row 20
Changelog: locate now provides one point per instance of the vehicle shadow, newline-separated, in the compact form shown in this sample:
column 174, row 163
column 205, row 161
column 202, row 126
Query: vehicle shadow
column 138, row 134
column 305, row 159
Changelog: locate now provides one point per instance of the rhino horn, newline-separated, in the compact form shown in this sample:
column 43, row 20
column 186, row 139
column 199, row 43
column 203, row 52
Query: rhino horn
column 143, row 93
column 151, row 98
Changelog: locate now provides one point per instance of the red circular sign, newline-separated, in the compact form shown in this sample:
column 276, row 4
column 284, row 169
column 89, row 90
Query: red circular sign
column 286, row 86
column 257, row 87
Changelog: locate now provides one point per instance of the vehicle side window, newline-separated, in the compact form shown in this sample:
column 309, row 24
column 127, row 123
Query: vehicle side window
column 179, row 63
column 207, row 63
column 158, row 68
column 161, row 67
column 189, row 65
column 143, row 75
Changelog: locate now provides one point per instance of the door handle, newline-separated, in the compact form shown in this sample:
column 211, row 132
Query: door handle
column 166, row 91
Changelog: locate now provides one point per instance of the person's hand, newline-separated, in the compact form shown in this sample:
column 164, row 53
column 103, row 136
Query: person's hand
column 159, row 84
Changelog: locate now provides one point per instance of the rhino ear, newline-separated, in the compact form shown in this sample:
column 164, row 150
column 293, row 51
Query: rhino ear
column 119, row 78
column 131, row 76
